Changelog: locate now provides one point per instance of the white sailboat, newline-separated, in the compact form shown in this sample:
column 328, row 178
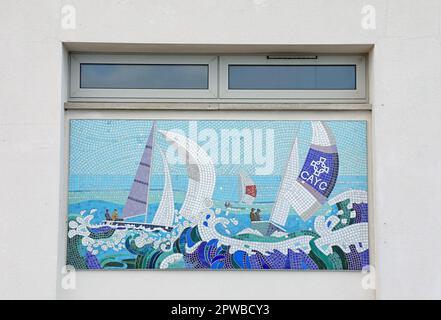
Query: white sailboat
column 138, row 199
column 305, row 190
column 247, row 193
column 248, row 190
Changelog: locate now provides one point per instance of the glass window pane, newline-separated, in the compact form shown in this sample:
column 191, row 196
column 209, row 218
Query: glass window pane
column 143, row 76
column 292, row 77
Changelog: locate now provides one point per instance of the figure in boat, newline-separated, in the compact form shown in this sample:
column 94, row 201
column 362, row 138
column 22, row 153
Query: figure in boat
column 252, row 217
column 255, row 215
column 115, row 216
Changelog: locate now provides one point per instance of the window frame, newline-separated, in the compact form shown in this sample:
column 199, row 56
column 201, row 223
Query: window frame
column 218, row 91
column 76, row 59
column 330, row 95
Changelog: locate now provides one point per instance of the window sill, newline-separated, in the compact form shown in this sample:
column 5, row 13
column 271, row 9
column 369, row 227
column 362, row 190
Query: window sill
column 213, row 106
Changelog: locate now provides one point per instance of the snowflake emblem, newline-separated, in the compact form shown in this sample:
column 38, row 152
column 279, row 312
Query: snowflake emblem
column 319, row 166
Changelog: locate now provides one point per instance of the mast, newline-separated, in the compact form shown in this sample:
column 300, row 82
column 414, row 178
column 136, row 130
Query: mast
column 241, row 189
column 137, row 201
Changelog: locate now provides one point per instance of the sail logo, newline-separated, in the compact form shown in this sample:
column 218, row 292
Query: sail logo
column 319, row 166
column 313, row 178
column 320, row 171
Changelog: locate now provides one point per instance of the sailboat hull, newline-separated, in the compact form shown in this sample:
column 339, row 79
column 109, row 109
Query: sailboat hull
column 101, row 232
column 266, row 228
column 135, row 225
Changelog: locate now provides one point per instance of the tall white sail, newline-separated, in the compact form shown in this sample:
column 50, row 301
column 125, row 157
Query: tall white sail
column 280, row 211
column 319, row 174
column 201, row 175
column 248, row 189
column 165, row 214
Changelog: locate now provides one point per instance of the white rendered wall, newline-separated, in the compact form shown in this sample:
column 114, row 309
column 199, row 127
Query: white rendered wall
column 405, row 90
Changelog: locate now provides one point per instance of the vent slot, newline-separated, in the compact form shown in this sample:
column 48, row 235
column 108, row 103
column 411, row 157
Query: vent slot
column 307, row 57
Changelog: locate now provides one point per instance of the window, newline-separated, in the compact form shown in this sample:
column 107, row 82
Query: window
column 141, row 76
column 306, row 78
column 291, row 77
column 303, row 77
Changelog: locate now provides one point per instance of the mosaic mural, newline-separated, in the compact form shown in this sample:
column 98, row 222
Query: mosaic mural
column 171, row 194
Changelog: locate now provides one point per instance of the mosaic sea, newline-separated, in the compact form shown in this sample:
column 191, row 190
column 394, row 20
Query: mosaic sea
column 192, row 246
